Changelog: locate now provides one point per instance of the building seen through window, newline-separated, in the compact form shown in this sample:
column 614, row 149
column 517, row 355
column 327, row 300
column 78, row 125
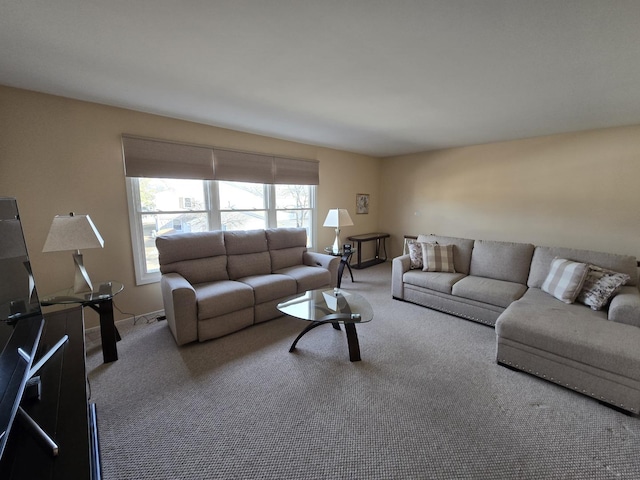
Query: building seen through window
column 163, row 206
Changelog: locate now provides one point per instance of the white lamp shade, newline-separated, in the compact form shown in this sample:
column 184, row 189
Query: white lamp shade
column 338, row 217
column 72, row 232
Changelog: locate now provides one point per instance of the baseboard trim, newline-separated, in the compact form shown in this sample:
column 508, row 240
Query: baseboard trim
column 157, row 313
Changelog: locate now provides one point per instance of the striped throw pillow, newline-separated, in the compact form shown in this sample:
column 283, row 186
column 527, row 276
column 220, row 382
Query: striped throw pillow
column 565, row 279
column 437, row 258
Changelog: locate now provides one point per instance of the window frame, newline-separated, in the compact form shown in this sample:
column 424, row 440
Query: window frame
column 213, row 210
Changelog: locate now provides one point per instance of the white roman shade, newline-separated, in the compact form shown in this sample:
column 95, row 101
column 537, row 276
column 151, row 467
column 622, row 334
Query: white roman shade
column 161, row 159
column 293, row 171
column 144, row 157
column 242, row 167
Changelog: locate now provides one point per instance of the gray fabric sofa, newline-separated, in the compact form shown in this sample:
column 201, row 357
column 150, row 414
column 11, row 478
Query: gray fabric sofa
column 596, row 353
column 215, row 283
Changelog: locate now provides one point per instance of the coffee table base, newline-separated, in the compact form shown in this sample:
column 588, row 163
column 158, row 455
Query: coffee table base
column 350, row 328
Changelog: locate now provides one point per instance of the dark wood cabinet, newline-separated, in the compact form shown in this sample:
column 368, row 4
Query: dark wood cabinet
column 63, row 411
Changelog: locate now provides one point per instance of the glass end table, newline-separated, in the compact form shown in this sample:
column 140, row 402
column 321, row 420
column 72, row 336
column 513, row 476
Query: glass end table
column 100, row 299
column 334, row 306
column 345, row 258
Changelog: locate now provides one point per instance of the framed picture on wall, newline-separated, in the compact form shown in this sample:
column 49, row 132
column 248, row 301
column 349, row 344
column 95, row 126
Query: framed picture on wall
column 362, row 203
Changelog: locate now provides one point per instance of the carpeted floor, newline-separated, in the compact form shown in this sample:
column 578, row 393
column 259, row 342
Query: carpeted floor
column 427, row 401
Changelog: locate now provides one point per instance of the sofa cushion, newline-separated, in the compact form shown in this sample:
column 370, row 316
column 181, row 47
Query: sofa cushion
column 210, row 269
column 240, row 266
column 542, row 257
column 572, row 331
column 189, row 246
column 286, row 257
column 506, row 261
column 599, row 286
column 286, row 246
column 218, row 298
column 278, row 238
column 489, row 290
column 270, row 287
column 308, row 278
column 437, row 258
column 247, row 253
column 565, row 278
column 245, row 241
column 438, row 281
column 625, row 307
column 461, row 251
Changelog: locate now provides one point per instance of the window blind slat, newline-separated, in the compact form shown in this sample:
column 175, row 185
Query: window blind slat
column 242, row 167
column 159, row 159
column 293, row 171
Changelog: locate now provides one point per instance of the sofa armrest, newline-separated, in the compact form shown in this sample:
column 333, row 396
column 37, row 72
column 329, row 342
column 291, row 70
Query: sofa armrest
column 399, row 267
column 625, row 307
column 314, row 259
column 180, row 307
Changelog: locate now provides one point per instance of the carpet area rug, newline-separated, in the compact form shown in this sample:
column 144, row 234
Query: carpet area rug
column 427, row 401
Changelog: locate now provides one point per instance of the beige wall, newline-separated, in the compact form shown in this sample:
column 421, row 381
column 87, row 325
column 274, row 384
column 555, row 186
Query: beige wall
column 59, row 155
column 580, row 190
column 577, row 190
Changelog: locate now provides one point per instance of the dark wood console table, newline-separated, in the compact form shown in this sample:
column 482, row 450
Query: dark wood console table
column 377, row 237
column 63, row 412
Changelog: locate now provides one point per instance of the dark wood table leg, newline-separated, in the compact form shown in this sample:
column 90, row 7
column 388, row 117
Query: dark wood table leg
column 351, row 272
column 344, row 262
column 108, row 330
column 352, row 340
column 311, row 326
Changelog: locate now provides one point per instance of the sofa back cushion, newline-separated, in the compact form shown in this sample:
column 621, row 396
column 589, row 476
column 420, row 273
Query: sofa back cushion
column 247, row 253
column 506, row 261
column 286, row 246
column 199, row 256
column 461, row 250
column 543, row 256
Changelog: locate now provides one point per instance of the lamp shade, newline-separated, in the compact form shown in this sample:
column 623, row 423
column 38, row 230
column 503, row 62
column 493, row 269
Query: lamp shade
column 72, row 232
column 338, row 217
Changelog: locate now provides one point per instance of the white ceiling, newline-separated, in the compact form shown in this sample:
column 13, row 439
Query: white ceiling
column 379, row 77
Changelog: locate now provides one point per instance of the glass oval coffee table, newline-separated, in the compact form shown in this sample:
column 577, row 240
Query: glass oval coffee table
column 334, row 306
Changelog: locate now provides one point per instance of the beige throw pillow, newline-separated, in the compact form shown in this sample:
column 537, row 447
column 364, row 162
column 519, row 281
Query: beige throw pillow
column 565, row 279
column 437, row 258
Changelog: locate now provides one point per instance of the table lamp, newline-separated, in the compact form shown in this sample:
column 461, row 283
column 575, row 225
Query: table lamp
column 74, row 232
column 337, row 217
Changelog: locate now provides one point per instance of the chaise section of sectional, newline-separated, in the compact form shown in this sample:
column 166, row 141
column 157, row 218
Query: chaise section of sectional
column 592, row 352
column 573, row 347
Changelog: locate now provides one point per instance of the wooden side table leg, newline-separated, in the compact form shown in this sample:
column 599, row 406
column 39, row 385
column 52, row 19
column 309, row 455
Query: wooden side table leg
column 352, row 340
column 108, row 330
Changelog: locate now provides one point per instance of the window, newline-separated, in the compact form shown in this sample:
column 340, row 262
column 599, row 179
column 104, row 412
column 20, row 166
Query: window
column 175, row 187
column 162, row 206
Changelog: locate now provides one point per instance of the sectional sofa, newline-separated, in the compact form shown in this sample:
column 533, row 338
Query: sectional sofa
column 533, row 297
column 215, row 283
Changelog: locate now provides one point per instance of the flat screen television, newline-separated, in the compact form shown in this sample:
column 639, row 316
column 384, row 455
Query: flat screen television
column 21, row 319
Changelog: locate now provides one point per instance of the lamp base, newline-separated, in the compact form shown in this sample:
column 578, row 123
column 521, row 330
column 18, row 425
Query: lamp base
column 82, row 282
column 336, row 243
